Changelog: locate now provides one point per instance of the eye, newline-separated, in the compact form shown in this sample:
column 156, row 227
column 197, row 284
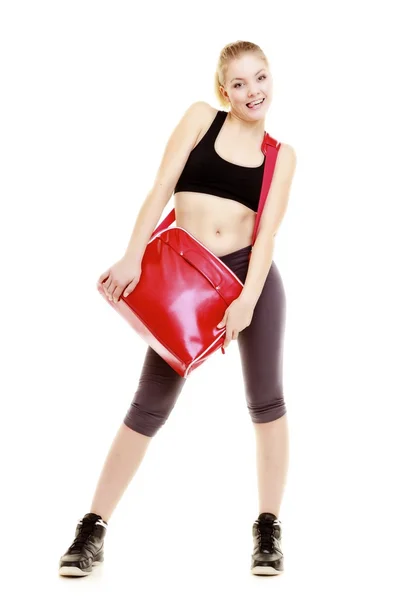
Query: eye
column 259, row 78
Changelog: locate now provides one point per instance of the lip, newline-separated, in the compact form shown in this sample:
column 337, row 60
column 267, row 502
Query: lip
column 247, row 103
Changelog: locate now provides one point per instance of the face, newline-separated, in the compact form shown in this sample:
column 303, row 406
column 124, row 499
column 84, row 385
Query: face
column 247, row 81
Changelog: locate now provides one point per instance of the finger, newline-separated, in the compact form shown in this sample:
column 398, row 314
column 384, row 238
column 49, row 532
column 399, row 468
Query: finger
column 228, row 338
column 103, row 276
column 107, row 284
column 110, row 289
column 223, row 322
column 117, row 293
column 130, row 288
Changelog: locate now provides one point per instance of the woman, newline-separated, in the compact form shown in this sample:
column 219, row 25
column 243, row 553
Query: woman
column 213, row 165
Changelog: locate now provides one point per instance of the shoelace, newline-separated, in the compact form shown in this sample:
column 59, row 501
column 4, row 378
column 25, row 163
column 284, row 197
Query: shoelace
column 87, row 527
column 265, row 534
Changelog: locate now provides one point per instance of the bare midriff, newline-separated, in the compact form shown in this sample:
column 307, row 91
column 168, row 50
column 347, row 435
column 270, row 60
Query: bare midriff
column 220, row 224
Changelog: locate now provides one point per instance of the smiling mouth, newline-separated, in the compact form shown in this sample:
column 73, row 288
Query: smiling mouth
column 258, row 103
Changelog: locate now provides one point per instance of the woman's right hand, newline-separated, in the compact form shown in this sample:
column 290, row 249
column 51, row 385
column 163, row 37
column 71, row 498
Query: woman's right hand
column 123, row 276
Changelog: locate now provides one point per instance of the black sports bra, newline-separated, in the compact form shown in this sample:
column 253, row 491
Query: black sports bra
column 207, row 172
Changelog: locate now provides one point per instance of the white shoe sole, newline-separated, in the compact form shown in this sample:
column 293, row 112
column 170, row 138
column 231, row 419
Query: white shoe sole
column 265, row 571
column 76, row 571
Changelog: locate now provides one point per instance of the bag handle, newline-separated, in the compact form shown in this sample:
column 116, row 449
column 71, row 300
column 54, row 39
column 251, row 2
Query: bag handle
column 270, row 149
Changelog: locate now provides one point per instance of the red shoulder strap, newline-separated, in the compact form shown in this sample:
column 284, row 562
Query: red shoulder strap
column 270, row 148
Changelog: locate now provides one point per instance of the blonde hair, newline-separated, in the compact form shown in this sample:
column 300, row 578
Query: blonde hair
column 230, row 52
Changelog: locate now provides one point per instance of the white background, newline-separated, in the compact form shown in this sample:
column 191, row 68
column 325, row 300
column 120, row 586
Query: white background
column 90, row 94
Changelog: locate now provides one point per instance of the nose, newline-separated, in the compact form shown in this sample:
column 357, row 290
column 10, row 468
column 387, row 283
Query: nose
column 252, row 90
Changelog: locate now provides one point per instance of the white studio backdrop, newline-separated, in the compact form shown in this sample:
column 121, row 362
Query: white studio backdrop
column 91, row 92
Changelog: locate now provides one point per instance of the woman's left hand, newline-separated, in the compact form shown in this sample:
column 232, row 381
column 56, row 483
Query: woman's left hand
column 237, row 317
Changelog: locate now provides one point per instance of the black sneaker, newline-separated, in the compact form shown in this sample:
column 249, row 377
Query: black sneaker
column 87, row 549
column 267, row 557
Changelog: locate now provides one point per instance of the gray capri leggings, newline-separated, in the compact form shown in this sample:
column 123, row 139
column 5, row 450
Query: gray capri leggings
column 261, row 353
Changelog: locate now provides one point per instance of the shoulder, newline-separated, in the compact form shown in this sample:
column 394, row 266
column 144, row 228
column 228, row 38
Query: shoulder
column 287, row 158
column 287, row 151
column 198, row 118
column 285, row 163
column 201, row 111
column 201, row 107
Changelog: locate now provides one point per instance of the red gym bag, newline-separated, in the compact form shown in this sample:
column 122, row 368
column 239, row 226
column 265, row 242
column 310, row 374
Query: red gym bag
column 184, row 289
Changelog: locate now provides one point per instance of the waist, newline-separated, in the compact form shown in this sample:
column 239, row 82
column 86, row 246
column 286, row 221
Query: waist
column 222, row 225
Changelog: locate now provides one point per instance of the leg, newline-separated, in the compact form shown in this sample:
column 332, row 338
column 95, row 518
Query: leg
column 261, row 351
column 272, row 446
column 158, row 389
column 123, row 460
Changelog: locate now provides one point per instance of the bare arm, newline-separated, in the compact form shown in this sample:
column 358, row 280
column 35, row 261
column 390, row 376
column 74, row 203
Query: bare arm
column 180, row 144
column 239, row 314
column 271, row 219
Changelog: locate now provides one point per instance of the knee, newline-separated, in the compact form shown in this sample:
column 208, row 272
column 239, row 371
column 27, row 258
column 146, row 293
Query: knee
column 141, row 421
column 151, row 405
column 266, row 410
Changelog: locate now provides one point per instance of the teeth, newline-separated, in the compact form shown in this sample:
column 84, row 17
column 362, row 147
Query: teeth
column 255, row 103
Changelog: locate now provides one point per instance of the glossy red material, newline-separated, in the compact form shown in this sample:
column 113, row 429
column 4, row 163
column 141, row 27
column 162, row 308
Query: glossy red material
column 178, row 314
column 184, row 290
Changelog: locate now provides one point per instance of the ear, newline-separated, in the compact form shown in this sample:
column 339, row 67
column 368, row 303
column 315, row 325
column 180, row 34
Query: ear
column 224, row 93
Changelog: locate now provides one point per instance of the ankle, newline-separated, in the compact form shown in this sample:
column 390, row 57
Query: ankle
column 97, row 514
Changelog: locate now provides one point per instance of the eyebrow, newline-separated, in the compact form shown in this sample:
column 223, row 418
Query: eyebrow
column 242, row 77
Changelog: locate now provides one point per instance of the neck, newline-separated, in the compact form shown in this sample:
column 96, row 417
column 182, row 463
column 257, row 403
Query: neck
column 255, row 128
